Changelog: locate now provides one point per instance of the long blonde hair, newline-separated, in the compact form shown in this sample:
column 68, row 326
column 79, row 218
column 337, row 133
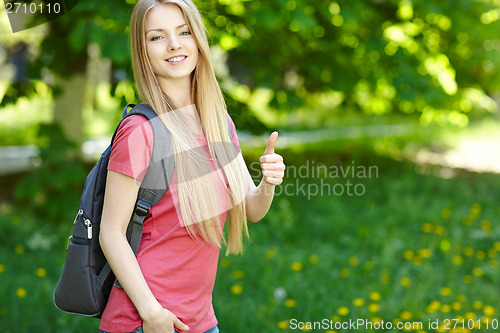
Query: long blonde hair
column 198, row 199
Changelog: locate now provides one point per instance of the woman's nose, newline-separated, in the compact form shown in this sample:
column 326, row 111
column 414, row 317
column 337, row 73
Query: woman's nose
column 174, row 44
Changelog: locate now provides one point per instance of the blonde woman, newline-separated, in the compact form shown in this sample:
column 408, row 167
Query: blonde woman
column 168, row 286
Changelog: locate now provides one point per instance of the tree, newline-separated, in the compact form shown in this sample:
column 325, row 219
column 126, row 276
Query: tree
column 432, row 60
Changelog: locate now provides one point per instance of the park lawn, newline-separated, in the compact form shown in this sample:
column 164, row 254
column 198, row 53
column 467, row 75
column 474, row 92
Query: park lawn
column 411, row 248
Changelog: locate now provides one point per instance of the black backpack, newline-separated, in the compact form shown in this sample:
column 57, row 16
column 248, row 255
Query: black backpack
column 86, row 278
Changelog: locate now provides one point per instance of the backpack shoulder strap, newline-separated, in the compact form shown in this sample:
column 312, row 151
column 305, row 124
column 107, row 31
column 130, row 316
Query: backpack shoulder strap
column 159, row 173
column 155, row 182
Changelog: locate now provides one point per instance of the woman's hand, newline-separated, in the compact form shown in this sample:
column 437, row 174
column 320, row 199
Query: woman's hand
column 161, row 320
column 273, row 168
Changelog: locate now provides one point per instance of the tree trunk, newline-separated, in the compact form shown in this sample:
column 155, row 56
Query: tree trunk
column 68, row 107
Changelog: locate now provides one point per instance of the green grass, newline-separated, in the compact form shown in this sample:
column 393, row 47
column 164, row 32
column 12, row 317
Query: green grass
column 413, row 247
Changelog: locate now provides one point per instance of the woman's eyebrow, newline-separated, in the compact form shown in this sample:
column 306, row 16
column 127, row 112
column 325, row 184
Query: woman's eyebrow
column 160, row 29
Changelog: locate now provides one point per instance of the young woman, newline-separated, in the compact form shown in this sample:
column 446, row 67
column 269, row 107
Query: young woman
column 169, row 284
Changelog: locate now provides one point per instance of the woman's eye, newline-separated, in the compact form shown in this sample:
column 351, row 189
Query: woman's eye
column 185, row 33
column 155, row 38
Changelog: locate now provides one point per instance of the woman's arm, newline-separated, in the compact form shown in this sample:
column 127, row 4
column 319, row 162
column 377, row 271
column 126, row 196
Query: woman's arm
column 119, row 201
column 259, row 198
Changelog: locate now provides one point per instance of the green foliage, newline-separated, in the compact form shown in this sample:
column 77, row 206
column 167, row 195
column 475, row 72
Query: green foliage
column 423, row 57
column 53, row 189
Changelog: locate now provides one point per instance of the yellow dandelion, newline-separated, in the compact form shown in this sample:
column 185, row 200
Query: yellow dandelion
column 433, row 307
column 376, row 320
column 467, row 279
column 417, row 260
column 496, row 246
column 446, row 291
column 469, row 251
column 41, row 272
column 461, row 298
column 236, row 289
column 224, row 262
column 313, row 259
column 283, row 324
column 446, row 308
column 2, row 268
column 344, row 273
column 19, row 249
column 386, row 278
column 456, row 306
column 493, row 263
column 427, row 227
column 457, row 260
column 369, row 265
column 296, row 266
column 445, row 213
column 21, row 292
column 477, row 271
column 353, row 261
column 330, row 331
column 489, row 311
column 373, row 307
column 439, row 230
column 358, row 302
column 477, row 305
column 408, row 254
column 492, row 253
column 406, row 315
column 405, row 281
column 480, row 255
column 343, row 311
column 270, row 254
column 475, row 210
column 335, row 318
column 238, row 274
column 486, row 225
column 290, row 303
column 470, row 315
column 425, row 253
column 445, row 245
column 375, row 296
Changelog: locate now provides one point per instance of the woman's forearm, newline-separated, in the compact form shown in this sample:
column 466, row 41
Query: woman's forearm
column 124, row 264
column 258, row 201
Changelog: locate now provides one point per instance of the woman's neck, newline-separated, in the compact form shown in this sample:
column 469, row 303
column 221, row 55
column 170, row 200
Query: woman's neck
column 179, row 91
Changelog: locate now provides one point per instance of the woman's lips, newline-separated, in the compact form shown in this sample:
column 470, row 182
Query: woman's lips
column 176, row 60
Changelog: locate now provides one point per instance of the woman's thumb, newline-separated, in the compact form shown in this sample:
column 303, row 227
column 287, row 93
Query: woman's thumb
column 180, row 325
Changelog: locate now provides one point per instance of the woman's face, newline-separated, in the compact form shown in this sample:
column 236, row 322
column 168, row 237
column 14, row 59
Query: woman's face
column 171, row 49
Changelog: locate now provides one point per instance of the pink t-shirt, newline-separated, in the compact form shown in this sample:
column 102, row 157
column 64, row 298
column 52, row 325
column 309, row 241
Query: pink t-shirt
column 179, row 271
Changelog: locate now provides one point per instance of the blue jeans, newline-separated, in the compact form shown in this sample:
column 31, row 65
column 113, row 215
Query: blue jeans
column 139, row 330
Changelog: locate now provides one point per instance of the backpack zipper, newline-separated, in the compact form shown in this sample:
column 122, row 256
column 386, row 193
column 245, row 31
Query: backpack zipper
column 88, row 223
column 80, row 213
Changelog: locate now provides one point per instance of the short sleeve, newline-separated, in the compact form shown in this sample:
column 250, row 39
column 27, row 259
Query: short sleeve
column 132, row 147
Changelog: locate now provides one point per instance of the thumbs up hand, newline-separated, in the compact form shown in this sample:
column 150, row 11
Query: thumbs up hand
column 273, row 168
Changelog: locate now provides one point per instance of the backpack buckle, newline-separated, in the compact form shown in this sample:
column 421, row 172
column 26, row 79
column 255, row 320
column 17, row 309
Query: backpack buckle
column 142, row 208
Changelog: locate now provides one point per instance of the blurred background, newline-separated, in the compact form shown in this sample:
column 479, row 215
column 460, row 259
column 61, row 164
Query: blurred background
column 388, row 114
